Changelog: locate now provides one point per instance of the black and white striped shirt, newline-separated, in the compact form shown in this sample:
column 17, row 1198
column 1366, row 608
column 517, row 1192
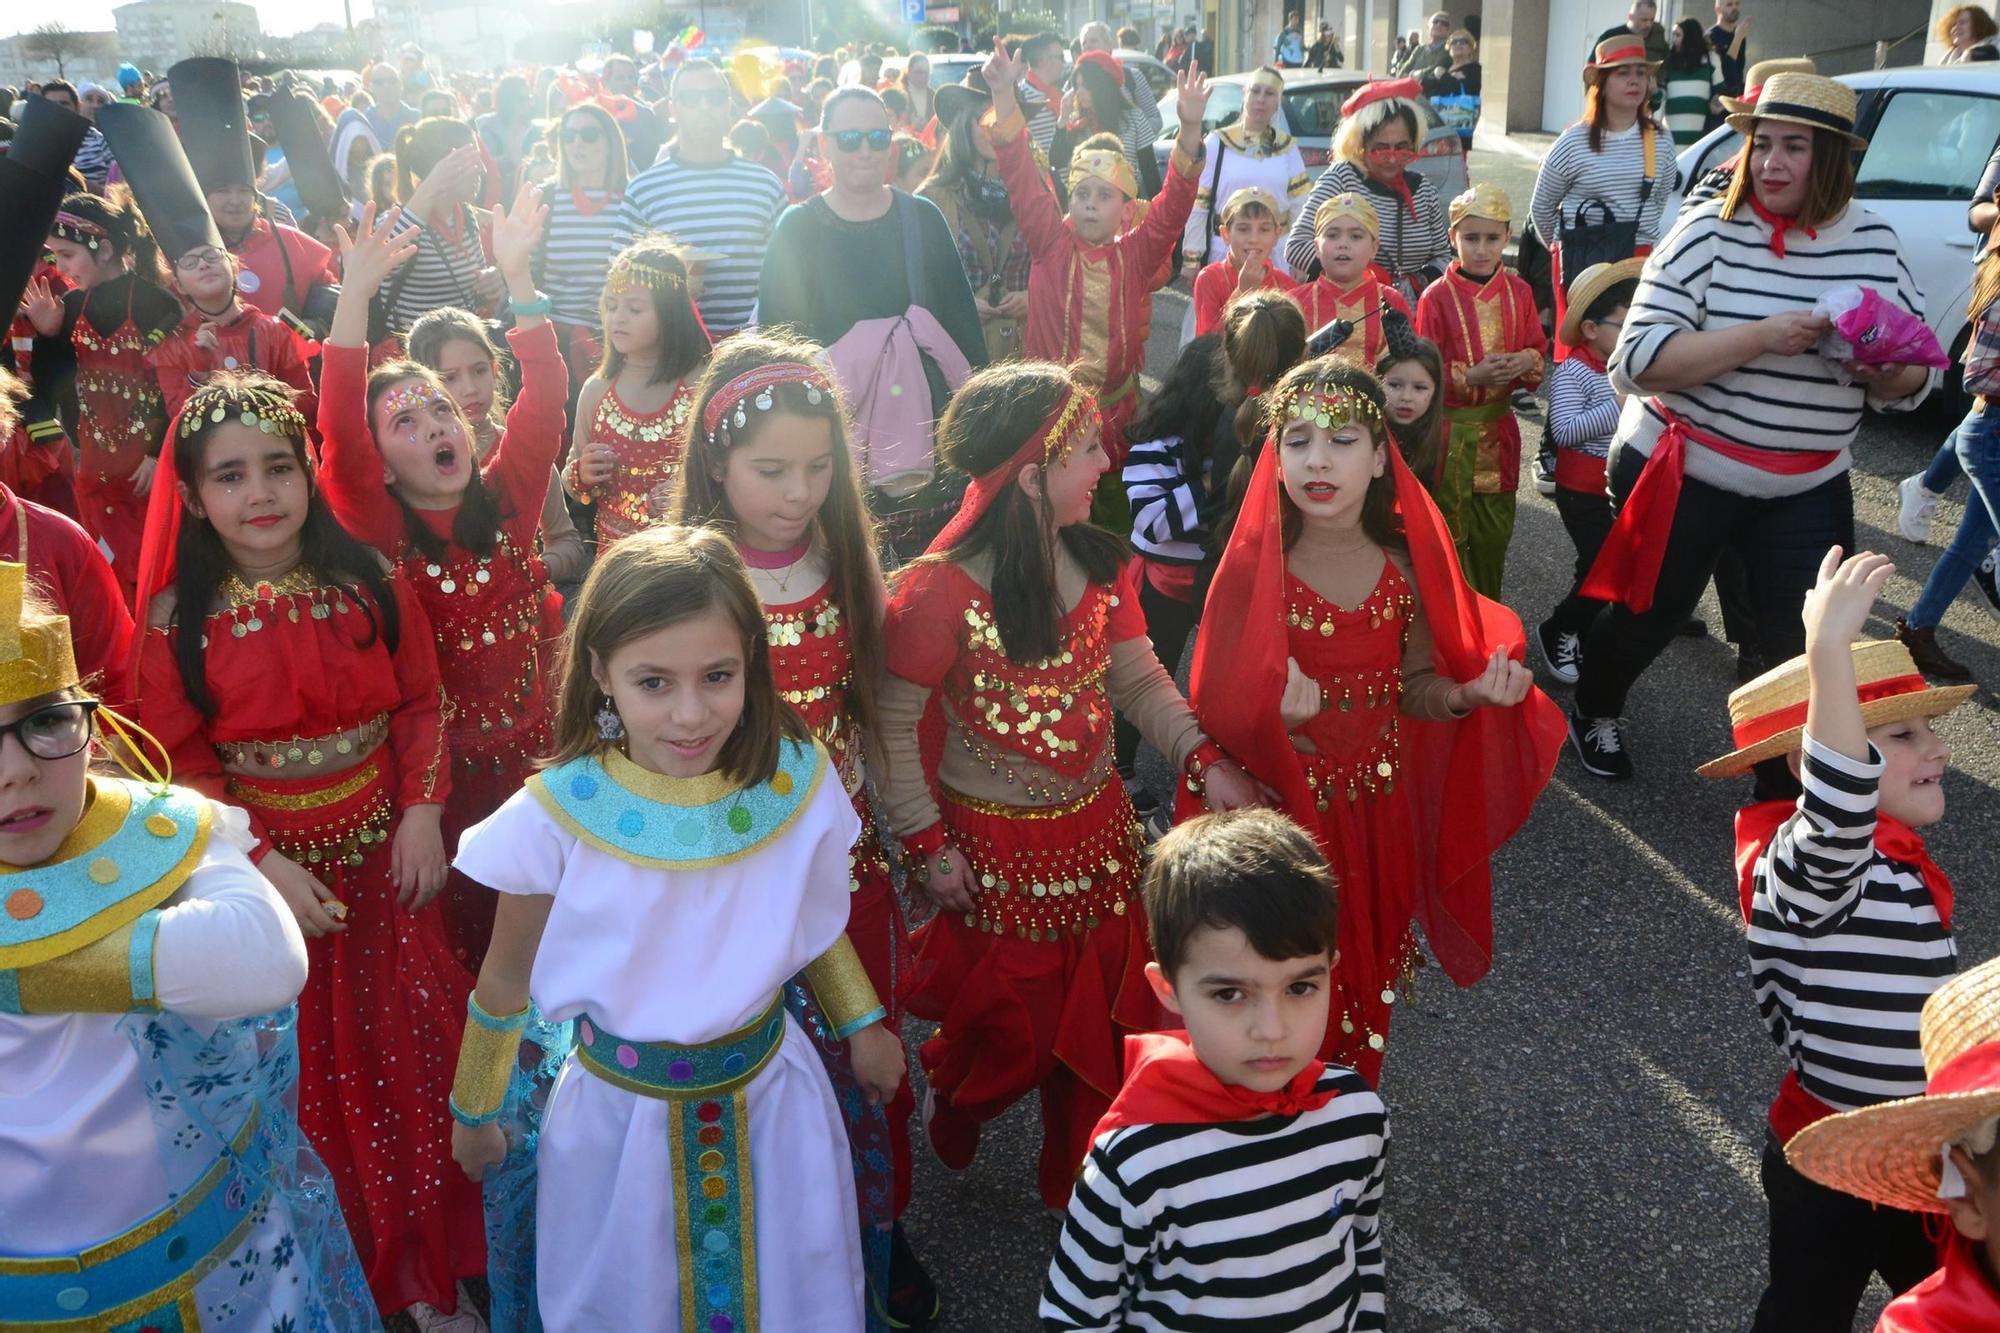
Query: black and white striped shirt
column 443, row 272
column 1714, row 274
column 1167, row 522
column 727, row 207
column 1258, row 1224
column 1845, row 944
column 1583, row 411
column 1571, row 176
column 575, row 253
column 1418, row 246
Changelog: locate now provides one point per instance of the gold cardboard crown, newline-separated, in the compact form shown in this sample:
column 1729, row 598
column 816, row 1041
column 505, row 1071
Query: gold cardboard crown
column 35, row 653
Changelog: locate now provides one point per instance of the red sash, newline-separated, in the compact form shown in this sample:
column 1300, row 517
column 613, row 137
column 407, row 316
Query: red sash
column 1628, row 566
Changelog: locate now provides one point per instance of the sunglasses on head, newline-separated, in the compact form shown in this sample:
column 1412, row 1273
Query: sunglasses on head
column 582, row 134
column 850, row 141
column 714, row 97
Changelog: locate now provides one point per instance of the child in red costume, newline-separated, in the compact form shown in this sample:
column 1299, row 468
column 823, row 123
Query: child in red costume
column 221, row 332
column 286, row 674
column 1933, row 1154
column 463, row 536
column 1017, row 633
column 1090, row 289
column 1250, row 221
column 1380, row 697
column 1347, row 232
column 1175, row 1213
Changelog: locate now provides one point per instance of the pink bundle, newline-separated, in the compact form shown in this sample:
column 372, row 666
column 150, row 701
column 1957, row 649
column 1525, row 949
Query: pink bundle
column 1872, row 331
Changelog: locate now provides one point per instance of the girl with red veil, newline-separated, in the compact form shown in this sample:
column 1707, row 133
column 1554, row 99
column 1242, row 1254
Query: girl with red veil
column 1007, row 646
column 1383, row 699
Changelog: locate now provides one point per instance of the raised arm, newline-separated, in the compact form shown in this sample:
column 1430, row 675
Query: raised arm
column 350, row 464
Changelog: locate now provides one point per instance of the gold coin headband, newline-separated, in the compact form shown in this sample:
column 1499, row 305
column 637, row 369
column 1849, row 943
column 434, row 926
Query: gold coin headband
column 78, row 230
column 267, row 409
column 627, row 272
column 1329, row 407
column 1066, row 428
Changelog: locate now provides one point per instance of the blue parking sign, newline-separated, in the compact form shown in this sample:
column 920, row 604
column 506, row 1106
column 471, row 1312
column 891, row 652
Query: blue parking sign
column 913, row 11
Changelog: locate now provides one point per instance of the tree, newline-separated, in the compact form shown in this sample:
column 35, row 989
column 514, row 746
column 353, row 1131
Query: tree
column 54, row 41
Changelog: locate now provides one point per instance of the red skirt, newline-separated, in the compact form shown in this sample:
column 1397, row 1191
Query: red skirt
column 480, row 784
column 379, row 1027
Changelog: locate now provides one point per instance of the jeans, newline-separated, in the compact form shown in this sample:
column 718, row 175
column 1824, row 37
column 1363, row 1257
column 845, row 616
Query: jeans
column 1781, row 542
column 1975, row 447
column 1944, row 467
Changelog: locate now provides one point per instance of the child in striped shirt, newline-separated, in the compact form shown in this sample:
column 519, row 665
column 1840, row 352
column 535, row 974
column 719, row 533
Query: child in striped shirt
column 1236, row 1181
column 1849, row 924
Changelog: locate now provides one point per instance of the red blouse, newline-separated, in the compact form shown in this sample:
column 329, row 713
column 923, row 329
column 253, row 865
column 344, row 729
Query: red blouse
column 814, row 666
column 1357, row 659
column 299, row 660
column 648, row 446
column 252, row 341
column 1360, row 305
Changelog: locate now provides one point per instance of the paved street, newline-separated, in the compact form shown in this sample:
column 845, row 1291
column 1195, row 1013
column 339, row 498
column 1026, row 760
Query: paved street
column 1577, row 1137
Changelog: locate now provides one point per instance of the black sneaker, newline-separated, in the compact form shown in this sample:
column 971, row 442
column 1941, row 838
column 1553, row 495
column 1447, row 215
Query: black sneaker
column 1545, row 474
column 1562, row 652
column 1984, row 580
column 913, row 1296
column 1600, row 747
column 1749, row 663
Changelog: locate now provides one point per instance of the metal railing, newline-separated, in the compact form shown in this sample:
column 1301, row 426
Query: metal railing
column 1881, row 49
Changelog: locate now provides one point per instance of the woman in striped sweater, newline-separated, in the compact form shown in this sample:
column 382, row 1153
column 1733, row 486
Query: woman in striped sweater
column 1738, row 431
column 1381, row 128
column 587, row 228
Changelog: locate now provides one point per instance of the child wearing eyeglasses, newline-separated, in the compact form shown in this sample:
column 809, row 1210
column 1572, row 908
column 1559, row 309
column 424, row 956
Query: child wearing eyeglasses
column 1090, row 289
column 221, row 332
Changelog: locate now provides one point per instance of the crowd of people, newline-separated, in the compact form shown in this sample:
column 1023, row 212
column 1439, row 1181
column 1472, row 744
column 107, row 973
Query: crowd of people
column 544, row 616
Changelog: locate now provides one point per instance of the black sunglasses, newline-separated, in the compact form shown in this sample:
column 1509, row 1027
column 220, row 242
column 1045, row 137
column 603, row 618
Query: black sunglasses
column 582, row 134
column 849, row 141
column 55, row 732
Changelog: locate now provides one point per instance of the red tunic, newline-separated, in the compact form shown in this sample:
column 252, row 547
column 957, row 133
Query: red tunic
column 251, row 341
column 1093, row 303
column 1469, row 321
column 648, row 446
column 1360, row 305
column 297, row 670
column 121, row 419
column 492, row 614
column 69, row 569
column 1216, row 284
column 278, row 265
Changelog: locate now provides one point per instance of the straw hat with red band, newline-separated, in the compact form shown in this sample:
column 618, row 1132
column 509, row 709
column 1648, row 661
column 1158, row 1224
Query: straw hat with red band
column 1893, row 1153
column 1618, row 51
column 1803, row 99
column 1381, row 90
column 1768, row 715
column 1590, row 284
column 1762, row 73
column 1053, row 441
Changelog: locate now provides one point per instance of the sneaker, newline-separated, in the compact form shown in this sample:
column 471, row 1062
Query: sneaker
column 1984, row 580
column 1749, row 664
column 954, row 1135
column 913, row 1296
column 429, row 1319
column 1929, row 657
column 1915, row 507
column 1545, row 474
column 1562, row 653
column 1694, row 627
column 1600, row 746
column 1524, row 403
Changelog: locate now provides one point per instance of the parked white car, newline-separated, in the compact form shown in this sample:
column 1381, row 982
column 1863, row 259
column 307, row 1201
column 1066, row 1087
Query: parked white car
column 1931, row 129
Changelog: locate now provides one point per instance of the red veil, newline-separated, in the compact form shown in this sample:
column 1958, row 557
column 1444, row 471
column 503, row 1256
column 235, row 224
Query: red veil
column 1470, row 781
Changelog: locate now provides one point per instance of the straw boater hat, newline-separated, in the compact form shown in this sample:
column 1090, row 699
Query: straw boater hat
column 1894, row 1153
column 1803, row 99
column 1615, row 52
column 1768, row 714
column 1590, row 284
column 1762, row 73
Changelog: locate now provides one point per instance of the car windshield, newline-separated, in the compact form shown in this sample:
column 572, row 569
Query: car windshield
column 1935, row 146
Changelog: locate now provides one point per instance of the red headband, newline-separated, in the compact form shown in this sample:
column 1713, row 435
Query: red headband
column 84, row 225
column 1622, row 54
column 1381, row 90
column 760, row 381
column 1051, row 443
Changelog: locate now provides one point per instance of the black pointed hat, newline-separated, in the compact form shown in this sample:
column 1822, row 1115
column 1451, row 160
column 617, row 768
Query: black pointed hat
column 156, row 168
column 319, row 184
column 208, row 105
column 34, row 177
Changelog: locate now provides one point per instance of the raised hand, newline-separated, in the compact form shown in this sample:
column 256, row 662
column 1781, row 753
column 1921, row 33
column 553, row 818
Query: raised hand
column 1191, row 93
column 517, row 231
column 1502, row 684
column 372, row 252
column 1836, row 610
column 1003, row 73
column 43, row 307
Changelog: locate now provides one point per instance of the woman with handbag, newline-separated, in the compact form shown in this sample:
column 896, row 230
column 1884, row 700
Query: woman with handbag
column 1253, row 153
column 1602, row 191
column 969, row 192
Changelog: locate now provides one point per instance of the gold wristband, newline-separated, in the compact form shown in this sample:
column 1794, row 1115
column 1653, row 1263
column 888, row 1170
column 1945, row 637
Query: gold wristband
column 845, row 994
column 113, row 975
column 487, row 1054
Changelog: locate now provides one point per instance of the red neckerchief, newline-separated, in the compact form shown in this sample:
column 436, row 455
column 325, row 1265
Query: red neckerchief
column 1167, row 1084
column 1780, row 224
column 1050, row 95
column 1401, row 185
column 1590, row 358
column 1958, row 1298
column 1757, row 824
column 585, row 208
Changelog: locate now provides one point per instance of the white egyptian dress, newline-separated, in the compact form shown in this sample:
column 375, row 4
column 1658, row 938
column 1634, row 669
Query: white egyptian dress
column 151, row 1171
column 682, row 907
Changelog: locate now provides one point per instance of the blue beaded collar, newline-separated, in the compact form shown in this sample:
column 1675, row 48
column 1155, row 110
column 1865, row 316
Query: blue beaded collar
column 133, row 847
column 648, row 819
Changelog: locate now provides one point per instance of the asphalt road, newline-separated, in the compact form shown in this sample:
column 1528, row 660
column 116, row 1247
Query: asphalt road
column 1576, row 1138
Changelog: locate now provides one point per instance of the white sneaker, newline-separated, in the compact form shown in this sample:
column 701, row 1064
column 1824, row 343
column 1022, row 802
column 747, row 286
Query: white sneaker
column 1915, row 508
column 429, row 1319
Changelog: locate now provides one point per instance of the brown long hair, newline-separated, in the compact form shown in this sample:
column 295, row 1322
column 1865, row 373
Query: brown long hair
column 1422, row 441
column 1829, row 186
column 997, row 412
column 477, row 526
column 651, row 581
column 842, row 527
column 437, row 329
column 1597, row 115
column 615, row 167
column 683, row 341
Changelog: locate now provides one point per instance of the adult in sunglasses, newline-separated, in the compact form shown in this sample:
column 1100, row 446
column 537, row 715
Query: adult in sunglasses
column 1380, row 132
column 875, row 275
column 586, row 230
column 706, row 196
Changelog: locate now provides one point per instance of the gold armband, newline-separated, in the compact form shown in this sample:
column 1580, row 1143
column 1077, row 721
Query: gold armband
column 845, row 994
column 487, row 1055
column 112, row 975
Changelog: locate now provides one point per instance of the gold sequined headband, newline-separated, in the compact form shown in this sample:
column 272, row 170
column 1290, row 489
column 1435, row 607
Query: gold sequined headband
column 1066, row 427
column 1328, row 406
column 269, row 410
column 629, row 271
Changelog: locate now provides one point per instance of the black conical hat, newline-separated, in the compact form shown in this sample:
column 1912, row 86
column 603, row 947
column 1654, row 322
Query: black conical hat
column 34, row 177
column 156, row 168
column 208, row 105
column 319, row 185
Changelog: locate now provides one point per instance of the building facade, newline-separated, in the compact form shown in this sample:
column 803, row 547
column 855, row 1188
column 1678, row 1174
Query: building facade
column 154, row 34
